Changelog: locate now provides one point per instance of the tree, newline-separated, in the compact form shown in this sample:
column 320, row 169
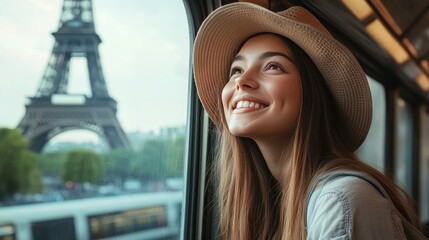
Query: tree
column 174, row 163
column 18, row 165
column 30, row 176
column 52, row 163
column 150, row 161
column 157, row 159
column 117, row 164
column 83, row 166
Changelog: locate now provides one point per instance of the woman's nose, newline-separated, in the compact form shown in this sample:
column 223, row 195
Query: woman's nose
column 246, row 81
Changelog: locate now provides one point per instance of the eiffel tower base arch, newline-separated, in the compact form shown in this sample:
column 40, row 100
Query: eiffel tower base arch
column 44, row 120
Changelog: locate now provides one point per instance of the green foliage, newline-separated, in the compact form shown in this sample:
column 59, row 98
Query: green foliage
column 174, row 164
column 52, row 163
column 118, row 163
column 82, row 166
column 30, row 176
column 157, row 159
column 151, row 160
column 18, row 165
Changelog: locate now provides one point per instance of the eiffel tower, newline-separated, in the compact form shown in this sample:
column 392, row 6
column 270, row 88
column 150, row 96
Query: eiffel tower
column 53, row 111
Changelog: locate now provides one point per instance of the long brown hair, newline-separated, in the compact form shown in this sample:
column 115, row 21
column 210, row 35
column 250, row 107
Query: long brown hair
column 253, row 205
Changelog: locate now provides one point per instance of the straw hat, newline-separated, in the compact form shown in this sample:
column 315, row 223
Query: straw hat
column 223, row 32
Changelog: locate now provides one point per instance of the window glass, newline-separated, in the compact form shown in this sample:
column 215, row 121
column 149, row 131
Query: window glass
column 372, row 149
column 424, row 168
column 404, row 144
column 96, row 110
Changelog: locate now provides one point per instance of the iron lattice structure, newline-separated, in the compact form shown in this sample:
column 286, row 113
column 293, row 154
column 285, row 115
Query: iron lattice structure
column 44, row 119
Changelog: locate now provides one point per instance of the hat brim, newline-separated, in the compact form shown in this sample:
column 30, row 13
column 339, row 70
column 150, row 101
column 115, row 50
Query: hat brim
column 225, row 30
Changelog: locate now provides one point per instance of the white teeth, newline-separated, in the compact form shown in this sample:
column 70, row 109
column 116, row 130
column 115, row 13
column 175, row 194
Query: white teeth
column 249, row 104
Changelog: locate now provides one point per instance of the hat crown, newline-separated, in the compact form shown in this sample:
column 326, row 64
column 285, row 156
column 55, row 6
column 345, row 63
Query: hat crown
column 302, row 15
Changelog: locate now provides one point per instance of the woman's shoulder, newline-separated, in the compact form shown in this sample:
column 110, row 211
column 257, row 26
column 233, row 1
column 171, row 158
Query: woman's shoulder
column 353, row 184
column 348, row 204
column 352, row 187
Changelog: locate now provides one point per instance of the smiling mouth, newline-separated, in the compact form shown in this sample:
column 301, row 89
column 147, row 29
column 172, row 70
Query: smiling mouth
column 248, row 104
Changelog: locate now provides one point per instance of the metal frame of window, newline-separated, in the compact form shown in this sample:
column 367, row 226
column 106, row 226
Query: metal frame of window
column 196, row 218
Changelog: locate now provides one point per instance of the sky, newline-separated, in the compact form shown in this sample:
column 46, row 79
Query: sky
column 144, row 56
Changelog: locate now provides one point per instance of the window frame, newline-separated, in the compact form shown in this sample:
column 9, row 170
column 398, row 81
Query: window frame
column 197, row 218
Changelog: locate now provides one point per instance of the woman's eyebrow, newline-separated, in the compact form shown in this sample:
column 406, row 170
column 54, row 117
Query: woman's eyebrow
column 273, row 54
column 263, row 56
column 238, row 58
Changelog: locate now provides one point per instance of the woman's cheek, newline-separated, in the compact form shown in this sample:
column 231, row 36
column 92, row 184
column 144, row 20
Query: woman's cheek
column 227, row 93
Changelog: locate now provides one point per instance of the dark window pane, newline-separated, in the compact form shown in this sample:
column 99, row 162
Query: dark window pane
column 404, row 144
column 54, row 229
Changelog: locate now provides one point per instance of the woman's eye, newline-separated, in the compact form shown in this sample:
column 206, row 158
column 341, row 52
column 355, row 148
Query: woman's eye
column 274, row 66
column 236, row 70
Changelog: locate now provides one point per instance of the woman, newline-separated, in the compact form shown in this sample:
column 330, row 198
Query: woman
column 292, row 105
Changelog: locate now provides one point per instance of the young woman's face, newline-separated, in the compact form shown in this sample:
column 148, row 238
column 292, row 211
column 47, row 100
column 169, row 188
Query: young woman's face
column 263, row 96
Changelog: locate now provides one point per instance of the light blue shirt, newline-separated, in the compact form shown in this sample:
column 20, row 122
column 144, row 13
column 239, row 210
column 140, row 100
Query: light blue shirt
column 351, row 205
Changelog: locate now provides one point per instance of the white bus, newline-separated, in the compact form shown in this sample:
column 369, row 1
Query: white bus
column 134, row 216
